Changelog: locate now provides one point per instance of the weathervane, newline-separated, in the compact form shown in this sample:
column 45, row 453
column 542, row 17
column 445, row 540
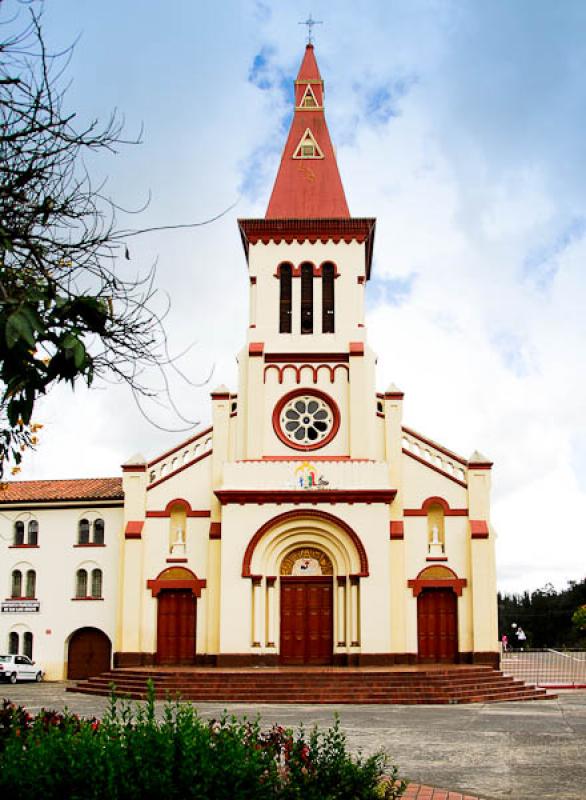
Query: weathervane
column 310, row 23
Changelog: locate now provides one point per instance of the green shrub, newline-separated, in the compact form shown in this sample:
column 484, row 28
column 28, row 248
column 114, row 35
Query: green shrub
column 130, row 755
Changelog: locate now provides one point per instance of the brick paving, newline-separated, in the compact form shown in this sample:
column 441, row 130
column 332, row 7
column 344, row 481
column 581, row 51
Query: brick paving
column 417, row 791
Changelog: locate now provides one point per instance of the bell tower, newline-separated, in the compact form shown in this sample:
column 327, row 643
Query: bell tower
column 306, row 374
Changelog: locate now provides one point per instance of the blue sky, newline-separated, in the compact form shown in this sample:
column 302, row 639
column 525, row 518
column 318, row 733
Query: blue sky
column 460, row 126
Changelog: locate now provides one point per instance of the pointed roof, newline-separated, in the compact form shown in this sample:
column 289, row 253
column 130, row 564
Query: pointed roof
column 308, row 184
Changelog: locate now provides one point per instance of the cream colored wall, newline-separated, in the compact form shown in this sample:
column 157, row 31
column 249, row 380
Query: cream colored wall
column 349, row 296
column 421, row 482
column 56, row 562
column 239, row 525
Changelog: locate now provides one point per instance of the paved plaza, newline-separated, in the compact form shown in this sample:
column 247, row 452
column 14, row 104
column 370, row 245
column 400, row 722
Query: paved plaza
column 520, row 751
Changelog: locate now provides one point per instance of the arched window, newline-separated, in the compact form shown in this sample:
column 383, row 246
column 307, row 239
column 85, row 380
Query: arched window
column 84, row 532
column 33, row 532
column 31, row 583
column 19, row 533
column 81, row 583
column 27, row 645
column 285, row 298
column 96, row 583
column 17, row 583
column 327, row 298
column 306, row 298
column 99, row 531
column 13, row 643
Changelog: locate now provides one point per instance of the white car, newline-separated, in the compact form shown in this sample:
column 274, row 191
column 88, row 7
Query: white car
column 14, row 668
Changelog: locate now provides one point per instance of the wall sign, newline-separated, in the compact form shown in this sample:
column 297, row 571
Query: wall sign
column 20, row 606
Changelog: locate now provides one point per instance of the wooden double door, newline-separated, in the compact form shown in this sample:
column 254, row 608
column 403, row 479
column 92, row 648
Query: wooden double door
column 176, row 620
column 306, row 620
column 437, row 625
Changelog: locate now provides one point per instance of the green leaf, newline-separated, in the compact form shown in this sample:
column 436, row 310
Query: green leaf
column 18, row 327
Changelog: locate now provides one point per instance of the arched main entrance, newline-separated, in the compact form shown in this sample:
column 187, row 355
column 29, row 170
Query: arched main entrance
column 176, row 590
column 89, row 653
column 307, row 607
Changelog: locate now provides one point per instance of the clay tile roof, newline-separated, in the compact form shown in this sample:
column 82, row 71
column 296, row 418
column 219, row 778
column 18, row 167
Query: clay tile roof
column 58, row 490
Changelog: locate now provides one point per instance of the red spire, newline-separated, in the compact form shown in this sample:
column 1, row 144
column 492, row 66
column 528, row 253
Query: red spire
column 308, row 184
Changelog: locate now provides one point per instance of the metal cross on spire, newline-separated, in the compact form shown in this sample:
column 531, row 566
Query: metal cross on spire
column 310, row 23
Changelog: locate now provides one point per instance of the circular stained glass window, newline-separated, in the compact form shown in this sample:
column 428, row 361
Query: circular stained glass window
column 306, row 420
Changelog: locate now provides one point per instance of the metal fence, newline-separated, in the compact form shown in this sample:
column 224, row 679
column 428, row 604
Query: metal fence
column 561, row 669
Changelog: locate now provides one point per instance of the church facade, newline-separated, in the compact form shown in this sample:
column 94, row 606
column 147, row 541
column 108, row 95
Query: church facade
column 306, row 526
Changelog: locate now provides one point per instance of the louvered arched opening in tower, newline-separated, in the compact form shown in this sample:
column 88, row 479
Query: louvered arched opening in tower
column 285, row 298
column 328, row 317
column 306, row 298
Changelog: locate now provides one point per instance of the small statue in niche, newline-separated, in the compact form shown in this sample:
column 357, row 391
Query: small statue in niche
column 435, row 535
column 178, row 545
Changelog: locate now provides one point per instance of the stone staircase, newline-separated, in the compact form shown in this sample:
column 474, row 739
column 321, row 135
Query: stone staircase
column 458, row 684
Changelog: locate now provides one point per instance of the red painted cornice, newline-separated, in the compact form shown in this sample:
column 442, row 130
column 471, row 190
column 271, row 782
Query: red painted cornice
column 318, row 229
column 304, row 496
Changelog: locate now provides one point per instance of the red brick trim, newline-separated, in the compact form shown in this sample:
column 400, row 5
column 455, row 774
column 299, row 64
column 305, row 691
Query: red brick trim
column 179, row 501
column 435, row 445
column 215, row 530
column 271, row 580
column 292, row 358
column 436, row 558
column 479, row 529
column 289, row 516
column 134, row 529
column 89, row 544
column 394, row 395
column 84, row 599
column 435, row 469
column 356, row 348
column 291, row 396
column 298, row 370
column 304, row 458
column 220, row 395
column 425, row 506
column 296, row 270
column 256, row 348
column 134, row 467
column 396, row 530
column 252, row 280
column 176, row 561
column 361, row 279
column 421, row 582
column 23, row 546
column 178, row 470
column 194, row 583
column 308, row 497
column 480, row 465
column 181, row 446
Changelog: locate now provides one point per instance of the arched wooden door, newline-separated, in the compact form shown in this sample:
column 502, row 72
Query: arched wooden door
column 89, row 653
column 437, row 625
column 176, row 615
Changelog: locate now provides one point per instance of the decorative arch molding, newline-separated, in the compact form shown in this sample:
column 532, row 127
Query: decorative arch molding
column 437, row 577
column 308, row 515
column 329, row 368
column 176, row 578
column 317, row 270
column 439, row 501
column 183, row 504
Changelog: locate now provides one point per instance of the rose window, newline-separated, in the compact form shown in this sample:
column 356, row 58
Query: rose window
column 306, row 420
